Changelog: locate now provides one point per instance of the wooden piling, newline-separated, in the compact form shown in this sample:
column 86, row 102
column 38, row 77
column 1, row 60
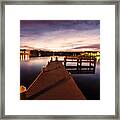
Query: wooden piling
column 65, row 61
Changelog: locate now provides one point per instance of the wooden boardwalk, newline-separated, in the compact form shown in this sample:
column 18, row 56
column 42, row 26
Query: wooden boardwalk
column 53, row 83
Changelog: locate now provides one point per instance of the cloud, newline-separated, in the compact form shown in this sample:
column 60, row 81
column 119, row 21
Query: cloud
column 26, row 47
column 62, row 36
column 90, row 46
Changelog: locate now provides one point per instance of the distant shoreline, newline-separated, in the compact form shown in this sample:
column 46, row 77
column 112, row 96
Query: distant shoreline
column 40, row 53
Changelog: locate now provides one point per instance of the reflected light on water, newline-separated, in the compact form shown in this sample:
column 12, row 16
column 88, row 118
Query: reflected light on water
column 24, row 57
column 97, row 58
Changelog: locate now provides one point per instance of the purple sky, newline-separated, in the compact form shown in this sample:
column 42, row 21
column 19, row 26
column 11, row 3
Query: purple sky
column 60, row 35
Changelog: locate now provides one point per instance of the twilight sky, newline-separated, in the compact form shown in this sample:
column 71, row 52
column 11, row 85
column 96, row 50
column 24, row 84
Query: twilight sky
column 60, row 35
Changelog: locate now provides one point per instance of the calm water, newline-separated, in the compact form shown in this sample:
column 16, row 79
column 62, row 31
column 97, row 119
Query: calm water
column 88, row 83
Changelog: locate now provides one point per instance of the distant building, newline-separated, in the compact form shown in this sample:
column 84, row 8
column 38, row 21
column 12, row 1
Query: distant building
column 24, row 52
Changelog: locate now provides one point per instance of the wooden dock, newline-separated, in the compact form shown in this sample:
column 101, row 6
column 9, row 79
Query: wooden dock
column 82, row 64
column 53, row 83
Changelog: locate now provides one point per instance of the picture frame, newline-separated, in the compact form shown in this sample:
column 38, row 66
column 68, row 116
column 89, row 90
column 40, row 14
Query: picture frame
column 70, row 2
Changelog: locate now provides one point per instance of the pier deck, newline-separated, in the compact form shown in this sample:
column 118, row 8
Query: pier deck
column 53, row 83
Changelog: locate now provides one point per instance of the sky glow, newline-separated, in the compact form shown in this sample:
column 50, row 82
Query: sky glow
column 60, row 35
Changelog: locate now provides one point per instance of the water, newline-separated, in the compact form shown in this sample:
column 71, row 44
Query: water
column 88, row 83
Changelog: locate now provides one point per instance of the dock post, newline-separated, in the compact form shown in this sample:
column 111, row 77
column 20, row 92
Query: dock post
column 94, row 65
column 56, row 59
column 51, row 59
column 90, row 64
column 65, row 61
column 80, row 64
column 77, row 64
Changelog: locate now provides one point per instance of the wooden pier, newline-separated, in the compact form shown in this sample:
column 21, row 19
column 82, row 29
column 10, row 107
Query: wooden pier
column 82, row 64
column 53, row 83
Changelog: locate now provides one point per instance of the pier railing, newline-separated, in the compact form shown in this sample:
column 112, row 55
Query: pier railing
column 79, row 64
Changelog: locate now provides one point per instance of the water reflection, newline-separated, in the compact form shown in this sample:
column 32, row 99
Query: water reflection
column 34, row 65
column 97, row 58
column 24, row 57
column 30, row 67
